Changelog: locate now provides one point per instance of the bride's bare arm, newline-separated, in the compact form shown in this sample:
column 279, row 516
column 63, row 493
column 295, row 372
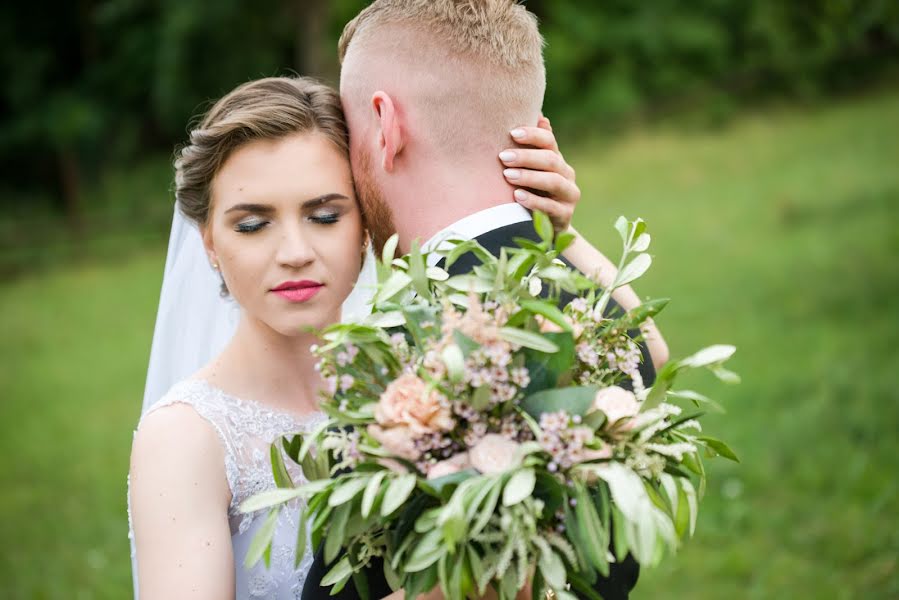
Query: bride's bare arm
column 540, row 166
column 179, row 508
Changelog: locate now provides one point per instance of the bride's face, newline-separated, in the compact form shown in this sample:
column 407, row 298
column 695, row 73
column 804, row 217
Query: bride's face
column 286, row 232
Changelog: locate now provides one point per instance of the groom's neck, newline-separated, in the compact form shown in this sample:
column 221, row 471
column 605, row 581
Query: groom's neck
column 433, row 197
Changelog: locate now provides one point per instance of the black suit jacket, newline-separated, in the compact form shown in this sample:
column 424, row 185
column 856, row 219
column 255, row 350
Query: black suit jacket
column 622, row 577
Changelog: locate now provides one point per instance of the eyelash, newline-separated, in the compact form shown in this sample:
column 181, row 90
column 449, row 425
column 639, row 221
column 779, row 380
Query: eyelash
column 250, row 226
column 325, row 218
column 256, row 225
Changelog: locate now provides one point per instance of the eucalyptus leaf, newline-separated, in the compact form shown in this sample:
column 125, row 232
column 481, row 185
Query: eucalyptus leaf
column 262, row 540
column 469, row 283
column 389, row 250
column 397, row 493
column 372, row 489
column 455, row 362
column 339, row 572
column 709, row 356
column 519, row 487
column 573, row 400
column 346, row 491
column 719, row 447
column 553, row 569
column 641, row 244
column 527, row 339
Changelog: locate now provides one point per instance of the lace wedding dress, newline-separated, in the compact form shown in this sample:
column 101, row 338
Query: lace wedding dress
column 246, row 429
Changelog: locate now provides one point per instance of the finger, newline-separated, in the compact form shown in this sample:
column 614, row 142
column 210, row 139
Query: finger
column 537, row 160
column 551, row 184
column 543, row 123
column 536, row 137
column 559, row 214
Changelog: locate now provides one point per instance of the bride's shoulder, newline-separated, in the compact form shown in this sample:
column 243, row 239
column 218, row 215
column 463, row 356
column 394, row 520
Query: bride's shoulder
column 181, row 422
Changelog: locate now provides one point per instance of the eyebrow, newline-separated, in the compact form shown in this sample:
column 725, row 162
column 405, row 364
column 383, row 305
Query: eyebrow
column 267, row 209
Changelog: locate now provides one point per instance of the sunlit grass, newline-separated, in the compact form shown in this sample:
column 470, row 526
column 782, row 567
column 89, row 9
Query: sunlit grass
column 778, row 235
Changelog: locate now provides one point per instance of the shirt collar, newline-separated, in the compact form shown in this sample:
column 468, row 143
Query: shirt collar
column 475, row 225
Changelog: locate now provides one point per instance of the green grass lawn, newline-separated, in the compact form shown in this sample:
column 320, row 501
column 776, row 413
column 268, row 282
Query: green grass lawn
column 778, row 234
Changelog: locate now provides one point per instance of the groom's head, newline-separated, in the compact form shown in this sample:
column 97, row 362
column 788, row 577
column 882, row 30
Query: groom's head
column 431, row 85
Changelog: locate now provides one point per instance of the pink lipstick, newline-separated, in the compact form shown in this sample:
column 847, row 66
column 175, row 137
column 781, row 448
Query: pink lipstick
column 298, row 291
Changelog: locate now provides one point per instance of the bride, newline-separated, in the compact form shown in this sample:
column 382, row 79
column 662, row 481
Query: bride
column 266, row 179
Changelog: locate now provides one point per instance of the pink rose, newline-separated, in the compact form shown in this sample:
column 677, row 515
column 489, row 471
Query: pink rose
column 454, row 464
column 408, row 402
column 494, row 454
column 617, row 404
column 398, row 440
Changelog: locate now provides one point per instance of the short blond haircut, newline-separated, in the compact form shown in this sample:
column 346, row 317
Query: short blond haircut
column 496, row 42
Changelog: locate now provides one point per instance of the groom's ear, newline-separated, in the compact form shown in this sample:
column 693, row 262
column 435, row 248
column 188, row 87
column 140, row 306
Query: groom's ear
column 390, row 133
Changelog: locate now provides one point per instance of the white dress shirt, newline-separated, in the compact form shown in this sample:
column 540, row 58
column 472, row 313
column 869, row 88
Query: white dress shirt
column 358, row 304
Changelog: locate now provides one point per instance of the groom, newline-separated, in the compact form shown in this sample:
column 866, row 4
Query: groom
column 431, row 89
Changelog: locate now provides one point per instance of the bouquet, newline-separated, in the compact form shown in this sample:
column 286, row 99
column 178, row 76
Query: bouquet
column 482, row 436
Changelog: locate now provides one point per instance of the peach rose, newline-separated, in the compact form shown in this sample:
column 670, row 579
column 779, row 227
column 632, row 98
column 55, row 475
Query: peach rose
column 398, row 440
column 494, row 454
column 454, row 464
column 408, row 402
column 617, row 404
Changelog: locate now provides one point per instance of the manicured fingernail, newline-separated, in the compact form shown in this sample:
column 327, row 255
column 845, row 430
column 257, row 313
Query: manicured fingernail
column 512, row 173
column 507, row 156
column 520, row 195
column 517, row 133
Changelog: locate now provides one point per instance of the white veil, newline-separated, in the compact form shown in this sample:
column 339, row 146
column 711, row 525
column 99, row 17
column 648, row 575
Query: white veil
column 194, row 321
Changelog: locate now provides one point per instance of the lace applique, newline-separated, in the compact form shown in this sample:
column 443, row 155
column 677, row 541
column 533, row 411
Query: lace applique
column 246, row 430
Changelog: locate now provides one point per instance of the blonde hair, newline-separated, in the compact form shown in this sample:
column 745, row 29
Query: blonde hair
column 265, row 109
column 501, row 32
column 490, row 51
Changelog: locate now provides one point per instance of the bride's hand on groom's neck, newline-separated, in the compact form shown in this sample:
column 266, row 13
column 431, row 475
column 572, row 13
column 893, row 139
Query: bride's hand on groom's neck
column 542, row 179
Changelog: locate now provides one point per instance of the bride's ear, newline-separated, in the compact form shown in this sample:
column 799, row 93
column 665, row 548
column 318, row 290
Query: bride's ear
column 206, row 234
column 390, row 133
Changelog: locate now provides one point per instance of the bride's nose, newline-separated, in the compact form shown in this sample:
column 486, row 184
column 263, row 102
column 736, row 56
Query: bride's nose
column 294, row 249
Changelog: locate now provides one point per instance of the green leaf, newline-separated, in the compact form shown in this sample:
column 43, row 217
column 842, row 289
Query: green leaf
column 455, row 362
column 633, row 270
column 339, row 572
column 709, row 356
column 719, row 447
column 596, row 538
column 564, row 241
column 262, row 540
column 417, row 271
column 337, row 531
column 543, row 226
column 347, row 491
column 398, row 282
column 309, row 439
column 397, row 493
column 426, row 552
column 372, row 488
column 480, row 399
column 436, row 274
column 623, row 228
column 548, row 310
column 573, row 400
column 270, row 498
column 389, row 251
column 279, row 470
column 527, row 339
column 724, row 375
column 469, row 283
column 300, row 550
column 519, row 487
column 553, row 569
column 641, row 244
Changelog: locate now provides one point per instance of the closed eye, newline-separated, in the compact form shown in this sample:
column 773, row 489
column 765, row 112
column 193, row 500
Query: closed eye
column 325, row 217
column 250, row 225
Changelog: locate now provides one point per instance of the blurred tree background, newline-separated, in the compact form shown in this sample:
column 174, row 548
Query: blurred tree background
column 98, row 87
column 759, row 138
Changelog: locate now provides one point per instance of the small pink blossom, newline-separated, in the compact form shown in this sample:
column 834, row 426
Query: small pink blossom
column 495, row 454
column 398, row 440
